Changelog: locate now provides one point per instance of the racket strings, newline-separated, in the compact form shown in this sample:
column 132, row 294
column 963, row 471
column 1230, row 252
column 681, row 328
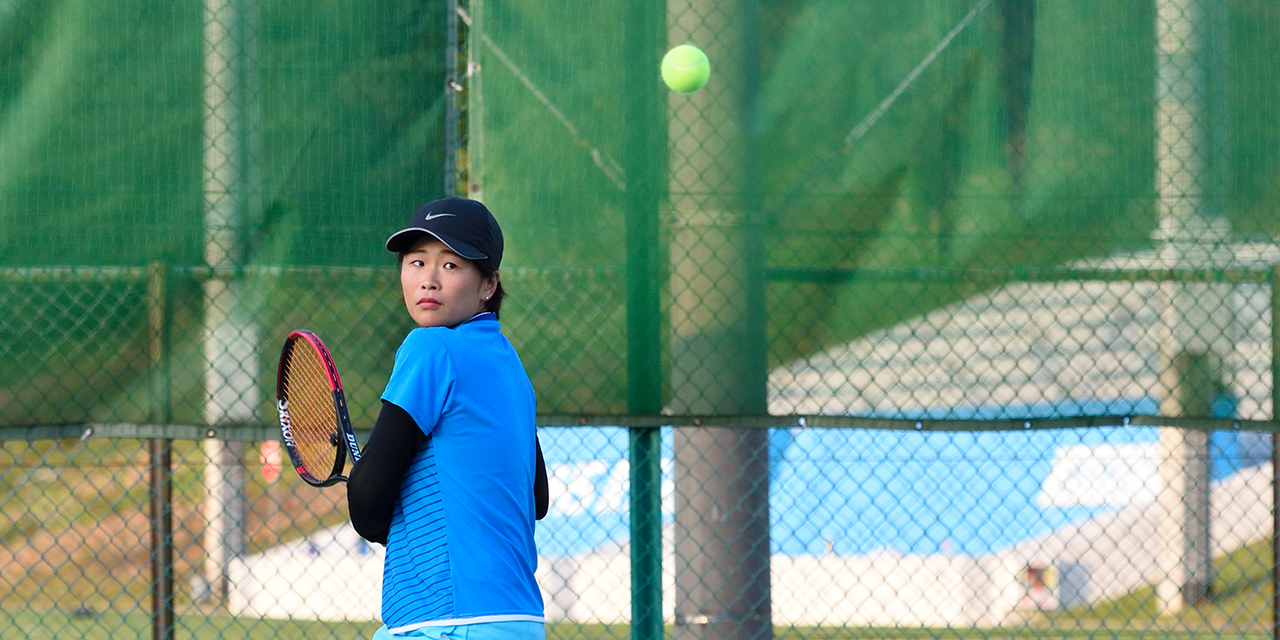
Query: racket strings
column 312, row 416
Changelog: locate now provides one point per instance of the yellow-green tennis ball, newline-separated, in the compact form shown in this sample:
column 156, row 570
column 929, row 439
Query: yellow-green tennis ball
column 685, row 68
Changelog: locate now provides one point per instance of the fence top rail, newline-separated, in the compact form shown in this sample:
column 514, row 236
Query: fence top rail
column 779, row 274
column 262, row 431
column 1020, row 274
column 72, row 274
column 907, row 424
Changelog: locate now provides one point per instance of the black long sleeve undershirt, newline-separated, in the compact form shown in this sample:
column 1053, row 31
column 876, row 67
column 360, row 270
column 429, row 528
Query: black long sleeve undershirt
column 541, row 493
column 374, row 483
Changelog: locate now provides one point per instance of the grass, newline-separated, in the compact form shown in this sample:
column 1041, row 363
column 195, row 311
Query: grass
column 1240, row 599
column 60, row 624
column 74, row 526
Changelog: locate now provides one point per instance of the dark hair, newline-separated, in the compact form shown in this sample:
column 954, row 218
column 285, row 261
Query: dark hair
column 494, row 303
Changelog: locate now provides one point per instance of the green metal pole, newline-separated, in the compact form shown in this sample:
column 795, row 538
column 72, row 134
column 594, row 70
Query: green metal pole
column 452, row 132
column 646, row 534
column 645, row 170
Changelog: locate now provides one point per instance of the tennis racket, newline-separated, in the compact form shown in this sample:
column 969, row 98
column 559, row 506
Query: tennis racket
column 314, row 423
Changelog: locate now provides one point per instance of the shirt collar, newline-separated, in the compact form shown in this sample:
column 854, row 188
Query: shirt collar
column 483, row 315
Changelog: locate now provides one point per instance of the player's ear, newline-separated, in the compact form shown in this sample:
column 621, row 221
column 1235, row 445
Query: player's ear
column 491, row 285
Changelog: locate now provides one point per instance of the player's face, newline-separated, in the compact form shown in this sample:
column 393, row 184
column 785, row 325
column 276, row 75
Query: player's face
column 441, row 288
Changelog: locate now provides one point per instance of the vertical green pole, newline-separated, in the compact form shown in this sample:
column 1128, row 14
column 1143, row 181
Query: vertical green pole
column 475, row 100
column 451, row 99
column 645, row 161
column 646, row 534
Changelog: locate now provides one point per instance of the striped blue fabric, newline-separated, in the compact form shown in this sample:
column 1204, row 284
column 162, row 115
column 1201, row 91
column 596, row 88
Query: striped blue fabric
column 416, row 580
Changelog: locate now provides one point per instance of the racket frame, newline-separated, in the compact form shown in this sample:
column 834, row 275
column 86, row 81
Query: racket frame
column 349, row 446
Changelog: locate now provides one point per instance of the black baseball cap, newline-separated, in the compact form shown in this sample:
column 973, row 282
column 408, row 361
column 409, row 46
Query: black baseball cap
column 465, row 226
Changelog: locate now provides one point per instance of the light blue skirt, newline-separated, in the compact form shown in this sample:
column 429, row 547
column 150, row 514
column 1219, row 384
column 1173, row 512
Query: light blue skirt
column 514, row 630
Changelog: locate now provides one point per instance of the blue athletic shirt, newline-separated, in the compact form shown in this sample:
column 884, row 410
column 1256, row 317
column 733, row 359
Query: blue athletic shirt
column 460, row 549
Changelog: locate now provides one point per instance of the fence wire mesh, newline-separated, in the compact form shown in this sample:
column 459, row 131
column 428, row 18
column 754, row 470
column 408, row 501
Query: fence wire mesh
column 1035, row 534
column 950, row 318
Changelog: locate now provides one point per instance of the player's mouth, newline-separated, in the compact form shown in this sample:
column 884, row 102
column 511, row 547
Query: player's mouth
column 428, row 303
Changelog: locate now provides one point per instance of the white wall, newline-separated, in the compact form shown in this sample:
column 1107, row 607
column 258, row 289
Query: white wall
column 1099, row 559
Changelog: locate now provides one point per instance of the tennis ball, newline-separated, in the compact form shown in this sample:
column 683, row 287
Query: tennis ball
column 685, row 68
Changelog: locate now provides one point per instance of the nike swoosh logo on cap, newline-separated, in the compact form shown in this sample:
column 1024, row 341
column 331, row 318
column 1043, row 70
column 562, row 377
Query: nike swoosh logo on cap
column 431, row 216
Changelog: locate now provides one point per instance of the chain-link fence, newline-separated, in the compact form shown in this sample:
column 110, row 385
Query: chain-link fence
column 1001, row 463
column 1042, row 533
column 948, row 318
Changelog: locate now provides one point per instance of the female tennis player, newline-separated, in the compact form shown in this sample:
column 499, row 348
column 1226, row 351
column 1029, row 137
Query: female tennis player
column 452, row 477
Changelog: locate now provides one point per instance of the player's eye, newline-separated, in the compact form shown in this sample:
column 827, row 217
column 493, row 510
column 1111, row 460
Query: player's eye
column 417, row 263
column 451, row 265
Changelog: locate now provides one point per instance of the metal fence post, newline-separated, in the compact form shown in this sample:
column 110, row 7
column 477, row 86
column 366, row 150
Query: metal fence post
column 451, row 107
column 718, row 331
column 230, row 204
column 160, row 456
column 1191, row 235
column 475, row 100
column 1275, row 454
column 645, row 167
